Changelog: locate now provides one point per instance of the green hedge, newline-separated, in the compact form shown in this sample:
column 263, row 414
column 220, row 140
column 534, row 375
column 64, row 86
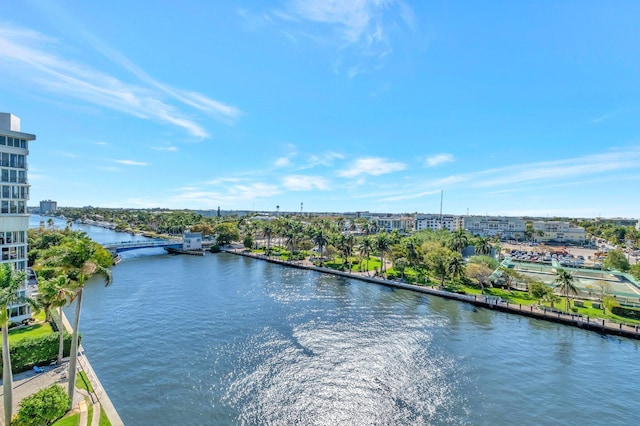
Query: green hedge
column 37, row 351
column 626, row 312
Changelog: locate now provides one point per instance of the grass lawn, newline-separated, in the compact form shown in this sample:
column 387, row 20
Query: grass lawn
column 104, row 421
column 82, row 382
column 34, row 330
column 71, row 420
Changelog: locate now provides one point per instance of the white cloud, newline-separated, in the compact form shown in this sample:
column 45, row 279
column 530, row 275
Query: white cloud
column 305, row 183
column 363, row 27
column 282, row 162
column 439, row 159
column 31, row 57
column 409, row 196
column 371, row 166
column 235, row 194
column 131, row 162
column 165, row 148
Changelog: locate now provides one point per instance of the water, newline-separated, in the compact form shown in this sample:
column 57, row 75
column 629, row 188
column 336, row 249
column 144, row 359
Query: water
column 223, row 339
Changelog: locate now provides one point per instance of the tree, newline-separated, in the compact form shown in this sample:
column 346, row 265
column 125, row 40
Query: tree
column 437, row 260
column 226, row 233
column 43, row 407
column 480, row 274
column 459, row 240
column 10, row 283
column 55, row 293
column 483, row 246
column 90, row 269
column 565, row 285
column 456, row 265
column 539, row 290
column 382, row 244
column 616, row 260
column 365, row 248
column 635, row 271
column 320, row 238
column 400, row 265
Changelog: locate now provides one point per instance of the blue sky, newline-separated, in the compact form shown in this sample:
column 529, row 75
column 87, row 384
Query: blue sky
column 510, row 108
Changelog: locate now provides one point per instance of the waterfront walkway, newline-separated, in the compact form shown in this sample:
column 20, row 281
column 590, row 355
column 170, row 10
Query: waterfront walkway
column 489, row 302
column 29, row 382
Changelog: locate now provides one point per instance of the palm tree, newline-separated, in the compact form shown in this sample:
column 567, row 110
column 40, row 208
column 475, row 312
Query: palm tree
column 10, row 283
column 267, row 231
column 456, row 266
column 459, row 240
column 89, row 269
column 566, row 284
column 319, row 237
column 482, row 246
column 365, row 247
column 382, row 244
column 55, row 293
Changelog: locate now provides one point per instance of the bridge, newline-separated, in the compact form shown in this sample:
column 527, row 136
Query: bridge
column 119, row 247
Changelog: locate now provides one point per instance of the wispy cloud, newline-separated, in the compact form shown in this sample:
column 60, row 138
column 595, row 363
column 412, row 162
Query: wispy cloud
column 131, row 162
column 165, row 148
column 100, row 143
column 409, row 196
column 605, row 117
column 364, row 27
column 439, row 159
column 282, row 162
column 589, row 165
column 371, row 166
column 234, row 194
column 305, row 183
column 32, row 57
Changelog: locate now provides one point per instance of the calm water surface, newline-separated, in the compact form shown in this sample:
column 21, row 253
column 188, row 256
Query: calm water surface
column 223, row 339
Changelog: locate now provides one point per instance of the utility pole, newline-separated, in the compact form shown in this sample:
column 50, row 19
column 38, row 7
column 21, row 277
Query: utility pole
column 441, row 195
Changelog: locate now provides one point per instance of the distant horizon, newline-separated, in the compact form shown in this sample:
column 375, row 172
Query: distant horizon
column 348, row 212
column 517, row 109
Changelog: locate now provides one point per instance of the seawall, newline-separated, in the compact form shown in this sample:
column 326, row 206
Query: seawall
column 488, row 302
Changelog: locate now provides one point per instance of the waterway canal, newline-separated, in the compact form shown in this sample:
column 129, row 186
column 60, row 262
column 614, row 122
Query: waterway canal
column 224, row 339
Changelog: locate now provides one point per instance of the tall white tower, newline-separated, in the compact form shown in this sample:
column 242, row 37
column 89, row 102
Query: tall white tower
column 14, row 193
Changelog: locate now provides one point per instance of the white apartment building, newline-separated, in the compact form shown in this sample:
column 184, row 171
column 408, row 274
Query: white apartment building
column 433, row 221
column 48, row 206
column 507, row 228
column 394, row 222
column 192, row 241
column 557, row 231
column 14, row 193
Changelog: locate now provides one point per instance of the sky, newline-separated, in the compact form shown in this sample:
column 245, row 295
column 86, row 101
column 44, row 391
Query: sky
column 503, row 108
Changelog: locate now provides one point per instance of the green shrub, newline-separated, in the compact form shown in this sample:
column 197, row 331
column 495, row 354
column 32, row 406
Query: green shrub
column 37, row 351
column 626, row 312
column 43, row 407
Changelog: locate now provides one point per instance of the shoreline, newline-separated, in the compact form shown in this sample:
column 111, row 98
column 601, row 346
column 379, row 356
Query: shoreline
column 489, row 302
column 98, row 390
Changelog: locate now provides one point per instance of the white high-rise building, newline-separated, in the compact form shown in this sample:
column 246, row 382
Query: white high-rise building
column 14, row 193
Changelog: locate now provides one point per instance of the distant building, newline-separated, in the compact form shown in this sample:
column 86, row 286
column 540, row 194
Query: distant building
column 433, row 221
column 192, row 241
column 48, row 206
column 14, row 219
column 557, row 231
column 507, row 228
column 394, row 222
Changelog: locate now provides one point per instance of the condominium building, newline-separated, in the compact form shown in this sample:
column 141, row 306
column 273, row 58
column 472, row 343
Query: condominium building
column 14, row 219
column 48, row 206
column 394, row 222
column 436, row 221
column 557, row 231
column 506, row 228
